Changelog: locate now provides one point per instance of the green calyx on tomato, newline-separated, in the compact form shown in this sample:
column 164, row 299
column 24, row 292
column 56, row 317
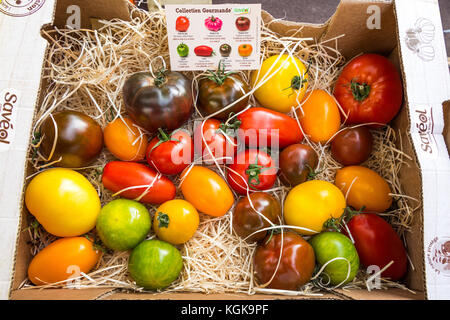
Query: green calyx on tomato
column 163, row 220
column 253, row 172
column 160, row 78
column 298, row 81
column 336, row 224
column 183, row 50
column 163, row 137
column 220, row 75
column 360, row 91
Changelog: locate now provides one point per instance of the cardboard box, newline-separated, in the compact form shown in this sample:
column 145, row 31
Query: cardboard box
column 369, row 26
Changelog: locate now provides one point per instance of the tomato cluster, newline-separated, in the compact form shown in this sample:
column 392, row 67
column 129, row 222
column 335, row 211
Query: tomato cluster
column 243, row 142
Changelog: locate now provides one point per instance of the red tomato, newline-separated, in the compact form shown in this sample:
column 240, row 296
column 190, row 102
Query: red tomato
column 378, row 244
column 182, row 24
column 252, row 168
column 263, row 127
column 170, row 154
column 220, row 145
column 369, row 89
column 118, row 175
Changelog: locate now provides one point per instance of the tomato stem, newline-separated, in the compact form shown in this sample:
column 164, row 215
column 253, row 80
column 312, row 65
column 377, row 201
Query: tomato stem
column 360, row 91
column 163, row 220
column 160, row 77
column 219, row 76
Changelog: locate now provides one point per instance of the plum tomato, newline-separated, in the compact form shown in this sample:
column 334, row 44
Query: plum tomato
column 79, row 139
column 247, row 221
column 297, row 163
column 364, row 187
column 352, row 146
column 296, row 266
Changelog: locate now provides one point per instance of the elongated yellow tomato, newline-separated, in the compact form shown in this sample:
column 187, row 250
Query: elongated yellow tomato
column 176, row 221
column 286, row 88
column 364, row 188
column 319, row 116
column 63, row 259
column 310, row 204
column 63, row 201
column 206, row 191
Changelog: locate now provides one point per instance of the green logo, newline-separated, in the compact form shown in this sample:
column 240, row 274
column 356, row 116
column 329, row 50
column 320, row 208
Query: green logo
column 241, row 10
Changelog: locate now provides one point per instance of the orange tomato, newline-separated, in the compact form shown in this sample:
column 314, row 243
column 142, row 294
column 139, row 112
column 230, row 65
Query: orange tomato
column 63, row 259
column 206, row 191
column 245, row 50
column 319, row 116
column 367, row 189
column 124, row 140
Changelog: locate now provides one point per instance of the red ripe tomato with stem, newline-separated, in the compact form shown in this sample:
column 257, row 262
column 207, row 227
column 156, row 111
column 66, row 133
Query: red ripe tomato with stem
column 170, row 154
column 252, row 170
column 182, row 24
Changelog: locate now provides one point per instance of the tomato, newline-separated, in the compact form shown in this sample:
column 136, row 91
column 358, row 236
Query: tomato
column 125, row 140
column 63, row 259
column 63, row 201
column 163, row 102
column 154, row 264
column 352, row 146
column 136, row 181
column 368, row 189
column 182, row 24
column 213, row 23
column 378, row 244
column 243, row 23
column 296, row 266
column 245, row 50
column 218, row 91
column 176, row 221
column 319, row 116
column 331, row 245
column 247, row 221
column 297, row 164
column 225, row 50
column 260, row 127
column 170, row 154
column 183, row 50
column 310, row 204
column 122, row 224
column 203, row 51
column 79, row 139
column 287, row 85
column 369, row 89
column 252, row 170
column 206, row 191
column 219, row 141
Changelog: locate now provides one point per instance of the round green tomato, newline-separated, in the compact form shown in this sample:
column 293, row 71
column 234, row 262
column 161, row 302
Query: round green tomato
column 122, row 224
column 155, row 264
column 331, row 245
column 183, row 50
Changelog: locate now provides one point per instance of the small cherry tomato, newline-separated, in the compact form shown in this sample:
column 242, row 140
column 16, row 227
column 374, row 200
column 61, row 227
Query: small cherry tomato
column 297, row 164
column 125, row 140
column 170, row 154
column 182, row 24
column 252, row 170
column 176, row 221
column 245, row 50
column 319, row 116
column 364, row 187
column 296, row 266
column 247, row 221
column 352, row 146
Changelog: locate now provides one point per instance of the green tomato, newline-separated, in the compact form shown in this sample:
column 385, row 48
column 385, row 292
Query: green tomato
column 155, row 264
column 122, row 224
column 183, row 50
column 331, row 245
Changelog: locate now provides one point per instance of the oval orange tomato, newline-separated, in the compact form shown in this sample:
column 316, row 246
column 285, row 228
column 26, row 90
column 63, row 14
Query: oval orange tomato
column 63, row 259
column 319, row 116
column 124, row 140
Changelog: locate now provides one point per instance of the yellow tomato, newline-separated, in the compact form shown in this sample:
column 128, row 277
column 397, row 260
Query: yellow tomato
column 124, row 140
column 176, row 221
column 367, row 188
column 286, row 88
column 310, row 204
column 207, row 191
column 63, row 201
column 63, row 259
column 319, row 116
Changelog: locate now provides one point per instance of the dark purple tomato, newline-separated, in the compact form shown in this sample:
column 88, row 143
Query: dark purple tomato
column 163, row 102
column 79, row 139
column 352, row 146
column 247, row 221
column 296, row 163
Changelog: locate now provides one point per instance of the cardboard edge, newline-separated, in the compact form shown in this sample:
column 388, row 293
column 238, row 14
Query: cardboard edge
column 446, row 131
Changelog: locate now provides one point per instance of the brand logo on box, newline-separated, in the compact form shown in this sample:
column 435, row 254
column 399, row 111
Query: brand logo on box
column 424, row 124
column 419, row 39
column 241, row 10
column 20, row 8
column 438, row 255
column 9, row 100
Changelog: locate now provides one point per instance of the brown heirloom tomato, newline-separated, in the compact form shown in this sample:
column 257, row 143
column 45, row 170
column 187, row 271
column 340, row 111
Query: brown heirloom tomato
column 352, row 146
column 296, row 265
column 162, row 102
column 247, row 221
column 219, row 90
column 79, row 139
column 297, row 162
